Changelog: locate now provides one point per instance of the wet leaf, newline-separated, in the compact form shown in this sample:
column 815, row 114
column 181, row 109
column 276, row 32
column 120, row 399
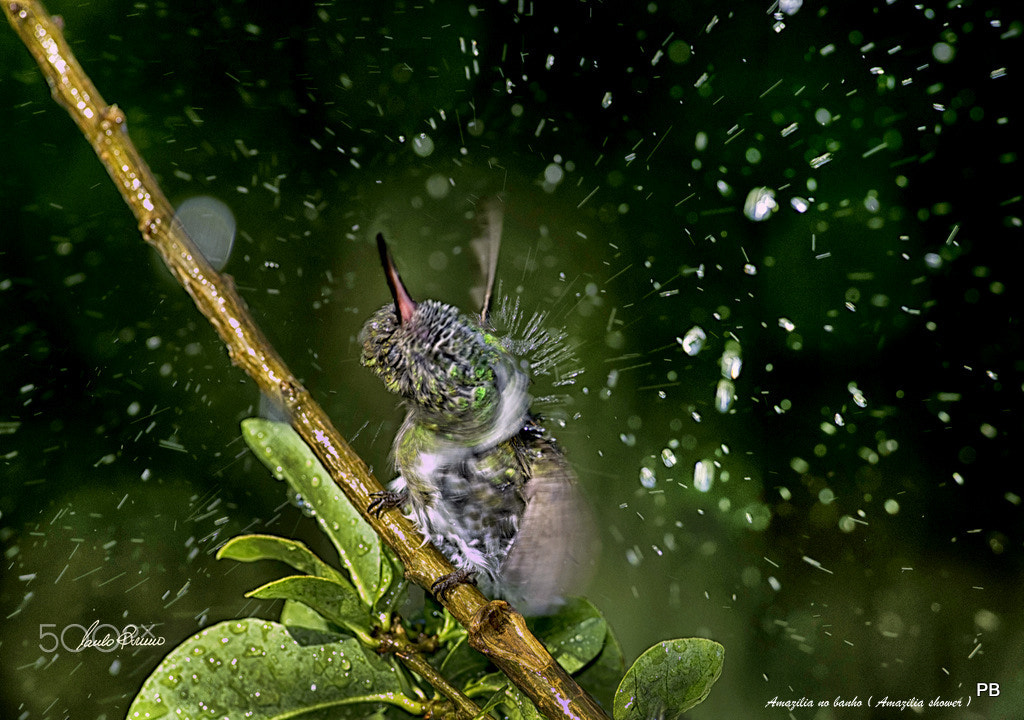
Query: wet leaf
column 495, row 682
column 392, row 582
column 335, row 601
column 602, row 675
column 281, row 449
column 669, row 679
column 519, row 707
column 250, row 548
column 255, row 669
column 575, row 635
column 299, row 615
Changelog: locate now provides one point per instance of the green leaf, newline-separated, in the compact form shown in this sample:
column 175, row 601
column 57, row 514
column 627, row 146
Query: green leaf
column 520, row 707
column 392, row 582
column 491, row 683
column 335, row 601
column 602, row 675
column 250, row 548
column 255, row 669
column 669, row 679
column 281, row 449
column 307, row 627
column 463, row 662
column 299, row 615
column 575, row 635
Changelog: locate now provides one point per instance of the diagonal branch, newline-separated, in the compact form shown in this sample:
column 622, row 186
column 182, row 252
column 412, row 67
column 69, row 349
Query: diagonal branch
column 495, row 629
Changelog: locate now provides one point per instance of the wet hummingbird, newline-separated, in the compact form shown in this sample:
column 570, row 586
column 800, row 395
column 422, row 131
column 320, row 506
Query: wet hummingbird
column 478, row 472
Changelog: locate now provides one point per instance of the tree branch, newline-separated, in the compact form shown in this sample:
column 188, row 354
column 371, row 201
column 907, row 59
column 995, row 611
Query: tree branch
column 397, row 643
column 495, row 629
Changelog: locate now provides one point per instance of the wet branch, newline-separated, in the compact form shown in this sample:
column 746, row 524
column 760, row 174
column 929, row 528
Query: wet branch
column 495, row 629
column 409, row 654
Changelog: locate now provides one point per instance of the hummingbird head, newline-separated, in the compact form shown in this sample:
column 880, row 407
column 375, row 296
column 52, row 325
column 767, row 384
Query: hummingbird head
column 431, row 354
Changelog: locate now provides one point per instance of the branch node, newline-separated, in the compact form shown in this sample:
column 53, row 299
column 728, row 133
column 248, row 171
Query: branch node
column 112, row 116
column 289, row 392
column 497, row 630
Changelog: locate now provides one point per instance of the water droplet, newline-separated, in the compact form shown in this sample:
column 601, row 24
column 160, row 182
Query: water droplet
column 148, row 710
column 821, row 160
column 553, row 175
column 799, row 465
column 858, row 396
column 211, row 225
column 731, row 363
column 943, row 52
column 170, row 680
column 438, row 186
column 693, row 340
column 790, row 7
column 647, row 478
column 422, row 145
column 703, row 475
column 760, row 204
column 724, row 395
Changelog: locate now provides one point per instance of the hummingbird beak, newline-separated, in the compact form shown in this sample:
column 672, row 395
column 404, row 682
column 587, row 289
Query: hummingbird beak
column 405, row 306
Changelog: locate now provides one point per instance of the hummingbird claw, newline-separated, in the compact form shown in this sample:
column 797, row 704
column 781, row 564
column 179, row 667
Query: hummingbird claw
column 447, row 583
column 386, row 500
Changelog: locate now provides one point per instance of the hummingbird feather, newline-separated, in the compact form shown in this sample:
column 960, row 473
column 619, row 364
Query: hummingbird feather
column 478, row 472
column 487, row 243
column 553, row 549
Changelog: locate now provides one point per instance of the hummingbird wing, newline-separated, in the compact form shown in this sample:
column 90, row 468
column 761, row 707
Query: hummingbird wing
column 486, row 244
column 556, row 544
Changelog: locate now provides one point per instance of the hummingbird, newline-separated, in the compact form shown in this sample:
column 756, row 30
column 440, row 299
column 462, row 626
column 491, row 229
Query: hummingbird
column 479, row 474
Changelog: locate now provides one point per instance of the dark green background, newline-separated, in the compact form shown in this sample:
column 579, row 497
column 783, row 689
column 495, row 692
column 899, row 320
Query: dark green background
column 122, row 466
